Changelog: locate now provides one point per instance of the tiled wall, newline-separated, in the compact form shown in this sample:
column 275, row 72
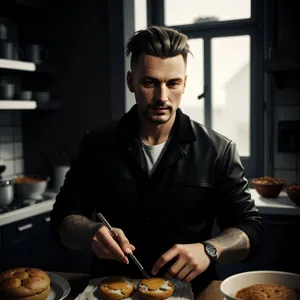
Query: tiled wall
column 287, row 107
column 11, row 148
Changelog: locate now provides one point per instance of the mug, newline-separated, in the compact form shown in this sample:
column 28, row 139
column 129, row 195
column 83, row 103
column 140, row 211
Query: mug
column 6, row 50
column 35, row 53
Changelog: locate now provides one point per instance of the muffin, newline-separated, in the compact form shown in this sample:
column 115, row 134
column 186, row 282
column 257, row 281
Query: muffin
column 268, row 292
column 24, row 284
column 155, row 288
column 116, row 288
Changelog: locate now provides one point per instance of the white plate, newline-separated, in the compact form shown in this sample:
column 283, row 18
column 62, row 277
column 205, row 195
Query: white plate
column 59, row 287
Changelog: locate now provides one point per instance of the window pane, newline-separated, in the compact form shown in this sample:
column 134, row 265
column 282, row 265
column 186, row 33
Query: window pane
column 140, row 14
column 178, row 12
column 190, row 104
column 231, row 90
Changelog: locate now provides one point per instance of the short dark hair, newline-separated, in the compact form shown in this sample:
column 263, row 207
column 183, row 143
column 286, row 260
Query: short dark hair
column 157, row 41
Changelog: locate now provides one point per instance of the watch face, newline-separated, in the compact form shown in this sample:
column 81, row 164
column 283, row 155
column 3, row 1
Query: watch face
column 211, row 250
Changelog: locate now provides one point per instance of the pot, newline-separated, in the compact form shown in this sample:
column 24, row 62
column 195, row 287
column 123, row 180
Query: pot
column 6, row 189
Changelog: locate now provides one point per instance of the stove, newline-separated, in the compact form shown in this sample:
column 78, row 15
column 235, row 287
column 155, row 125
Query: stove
column 20, row 203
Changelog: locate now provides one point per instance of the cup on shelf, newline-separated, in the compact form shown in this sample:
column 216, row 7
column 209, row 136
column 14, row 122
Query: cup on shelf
column 6, row 50
column 41, row 97
column 7, row 91
column 35, row 53
column 25, row 95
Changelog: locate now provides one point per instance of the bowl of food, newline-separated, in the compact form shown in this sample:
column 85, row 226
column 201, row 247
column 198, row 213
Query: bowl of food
column 31, row 186
column 271, row 285
column 268, row 187
column 293, row 191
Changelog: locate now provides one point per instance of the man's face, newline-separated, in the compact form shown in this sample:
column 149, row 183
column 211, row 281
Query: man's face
column 158, row 85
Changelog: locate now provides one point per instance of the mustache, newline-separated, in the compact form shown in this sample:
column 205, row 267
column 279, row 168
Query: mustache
column 159, row 104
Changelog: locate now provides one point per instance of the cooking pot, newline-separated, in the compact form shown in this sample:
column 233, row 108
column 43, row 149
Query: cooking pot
column 6, row 189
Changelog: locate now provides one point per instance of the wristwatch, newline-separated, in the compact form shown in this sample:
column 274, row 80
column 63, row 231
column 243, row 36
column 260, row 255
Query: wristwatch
column 211, row 251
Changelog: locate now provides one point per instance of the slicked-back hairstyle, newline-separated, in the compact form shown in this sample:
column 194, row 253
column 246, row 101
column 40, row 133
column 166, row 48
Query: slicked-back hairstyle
column 157, row 41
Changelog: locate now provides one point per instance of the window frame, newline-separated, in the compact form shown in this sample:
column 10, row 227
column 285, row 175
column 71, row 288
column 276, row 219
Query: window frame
column 253, row 164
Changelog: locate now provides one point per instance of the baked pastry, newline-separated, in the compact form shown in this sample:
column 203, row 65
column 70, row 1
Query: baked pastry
column 267, row 291
column 24, row 284
column 116, row 288
column 155, row 288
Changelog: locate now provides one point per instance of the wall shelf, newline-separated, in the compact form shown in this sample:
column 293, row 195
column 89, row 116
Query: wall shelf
column 17, row 104
column 17, row 65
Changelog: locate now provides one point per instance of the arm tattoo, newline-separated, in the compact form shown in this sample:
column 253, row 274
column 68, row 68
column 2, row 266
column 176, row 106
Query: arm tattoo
column 76, row 232
column 234, row 245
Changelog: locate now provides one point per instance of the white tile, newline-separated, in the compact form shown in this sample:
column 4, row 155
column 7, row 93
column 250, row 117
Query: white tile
column 284, row 160
column 17, row 134
column 5, row 118
column 290, row 176
column 9, row 171
column 19, row 166
column 6, row 134
column 18, row 149
column 6, row 151
column 284, row 113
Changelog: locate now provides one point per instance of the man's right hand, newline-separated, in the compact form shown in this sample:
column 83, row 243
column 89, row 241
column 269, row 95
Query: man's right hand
column 105, row 246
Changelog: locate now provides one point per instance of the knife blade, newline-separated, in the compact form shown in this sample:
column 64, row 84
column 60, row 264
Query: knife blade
column 131, row 255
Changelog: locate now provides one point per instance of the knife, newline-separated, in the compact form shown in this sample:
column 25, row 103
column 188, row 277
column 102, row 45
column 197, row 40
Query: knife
column 114, row 234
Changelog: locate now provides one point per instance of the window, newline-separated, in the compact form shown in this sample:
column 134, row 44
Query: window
column 230, row 93
column 140, row 14
column 190, row 104
column 226, row 41
column 179, row 12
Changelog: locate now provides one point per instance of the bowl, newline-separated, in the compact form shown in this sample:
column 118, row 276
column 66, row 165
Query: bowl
column 268, row 187
column 293, row 191
column 31, row 186
column 234, row 283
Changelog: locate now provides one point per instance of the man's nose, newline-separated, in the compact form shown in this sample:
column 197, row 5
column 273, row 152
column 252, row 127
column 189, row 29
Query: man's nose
column 162, row 93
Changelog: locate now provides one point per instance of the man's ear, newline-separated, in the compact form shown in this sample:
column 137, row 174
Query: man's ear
column 129, row 81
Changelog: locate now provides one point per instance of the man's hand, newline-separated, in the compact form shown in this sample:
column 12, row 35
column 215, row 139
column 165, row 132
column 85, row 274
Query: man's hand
column 191, row 261
column 105, row 246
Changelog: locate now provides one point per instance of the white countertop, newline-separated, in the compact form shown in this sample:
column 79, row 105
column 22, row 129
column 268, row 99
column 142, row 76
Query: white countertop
column 281, row 205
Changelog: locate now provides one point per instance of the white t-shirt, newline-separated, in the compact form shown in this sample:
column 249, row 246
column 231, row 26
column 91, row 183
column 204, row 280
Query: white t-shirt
column 153, row 155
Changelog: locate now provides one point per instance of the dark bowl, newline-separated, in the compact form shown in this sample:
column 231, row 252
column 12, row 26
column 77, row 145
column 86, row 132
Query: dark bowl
column 293, row 193
column 268, row 187
column 268, row 190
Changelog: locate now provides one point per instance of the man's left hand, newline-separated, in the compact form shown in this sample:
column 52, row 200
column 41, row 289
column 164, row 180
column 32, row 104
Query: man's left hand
column 191, row 261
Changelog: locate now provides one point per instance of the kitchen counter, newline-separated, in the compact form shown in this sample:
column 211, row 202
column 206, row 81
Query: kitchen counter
column 281, row 205
column 78, row 283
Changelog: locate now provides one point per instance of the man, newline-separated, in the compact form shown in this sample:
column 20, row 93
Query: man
column 159, row 178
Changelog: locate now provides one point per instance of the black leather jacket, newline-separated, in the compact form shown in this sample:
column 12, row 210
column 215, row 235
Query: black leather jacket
column 198, row 180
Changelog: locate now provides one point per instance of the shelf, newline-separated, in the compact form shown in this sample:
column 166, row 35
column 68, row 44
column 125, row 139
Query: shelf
column 17, row 65
column 17, row 104
column 28, row 66
column 282, row 65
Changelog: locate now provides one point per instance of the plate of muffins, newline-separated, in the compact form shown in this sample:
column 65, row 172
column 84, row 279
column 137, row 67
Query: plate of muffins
column 32, row 284
column 120, row 287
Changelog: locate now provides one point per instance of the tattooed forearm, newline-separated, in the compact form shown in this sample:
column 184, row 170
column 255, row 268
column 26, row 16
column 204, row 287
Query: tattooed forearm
column 76, row 232
column 233, row 245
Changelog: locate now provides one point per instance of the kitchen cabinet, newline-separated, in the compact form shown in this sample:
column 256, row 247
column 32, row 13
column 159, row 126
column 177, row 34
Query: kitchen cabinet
column 27, row 243
column 279, row 252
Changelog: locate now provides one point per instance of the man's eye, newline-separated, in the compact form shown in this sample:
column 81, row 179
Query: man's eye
column 148, row 82
column 173, row 84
